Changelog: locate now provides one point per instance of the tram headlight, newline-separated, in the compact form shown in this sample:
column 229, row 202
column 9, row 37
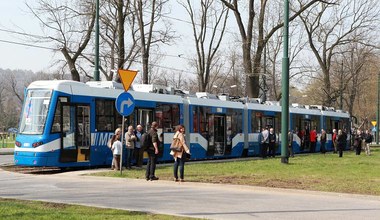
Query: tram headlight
column 36, row 144
column 18, row 144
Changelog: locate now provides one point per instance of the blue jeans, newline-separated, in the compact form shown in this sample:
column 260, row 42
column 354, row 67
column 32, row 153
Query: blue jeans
column 179, row 162
column 129, row 156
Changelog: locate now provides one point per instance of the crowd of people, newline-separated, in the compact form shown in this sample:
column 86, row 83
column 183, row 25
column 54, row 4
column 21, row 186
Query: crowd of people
column 137, row 141
column 309, row 139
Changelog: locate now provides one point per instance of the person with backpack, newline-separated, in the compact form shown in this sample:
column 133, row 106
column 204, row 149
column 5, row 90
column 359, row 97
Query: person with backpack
column 151, row 143
column 180, row 156
column 368, row 141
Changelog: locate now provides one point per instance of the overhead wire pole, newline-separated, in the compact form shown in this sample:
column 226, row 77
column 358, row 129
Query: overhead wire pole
column 378, row 108
column 96, row 71
column 285, row 88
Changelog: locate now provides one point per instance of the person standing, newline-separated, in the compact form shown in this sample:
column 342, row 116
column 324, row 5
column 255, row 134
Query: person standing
column 334, row 141
column 290, row 144
column 313, row 140
column 152, row 151
column 130, row 139
column 341, row 142
column 300, row 134
column 368, row 141
column 358, row 142
column 323, row 141
column 272, row 143
column 116, row 149
column 109, row 144
column 265, row 142
column 180, row 157
column 260, row 140
column 139, row 151
column 306, row 138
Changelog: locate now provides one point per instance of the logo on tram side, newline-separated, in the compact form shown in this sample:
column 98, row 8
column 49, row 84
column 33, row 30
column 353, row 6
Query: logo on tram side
column 100, row 139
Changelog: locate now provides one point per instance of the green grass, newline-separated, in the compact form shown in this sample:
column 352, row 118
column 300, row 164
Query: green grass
column 349, row 174
column 20, row 209
column 7, row 142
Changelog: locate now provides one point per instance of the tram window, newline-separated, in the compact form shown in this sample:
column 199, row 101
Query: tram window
column 256, row 121
column 236, row 122
column 167, row 116
column 56, row 127
column 195, row 119
column 203, row 121
column 315, row 120
column 105, row 115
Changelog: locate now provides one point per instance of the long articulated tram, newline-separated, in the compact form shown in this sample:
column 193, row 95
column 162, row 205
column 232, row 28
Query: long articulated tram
column 68, row 123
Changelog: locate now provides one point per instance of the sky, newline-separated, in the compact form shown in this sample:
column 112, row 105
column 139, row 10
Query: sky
column 16, row 16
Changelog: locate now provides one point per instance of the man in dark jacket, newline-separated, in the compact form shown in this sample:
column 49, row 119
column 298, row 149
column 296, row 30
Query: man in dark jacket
column 152, row 151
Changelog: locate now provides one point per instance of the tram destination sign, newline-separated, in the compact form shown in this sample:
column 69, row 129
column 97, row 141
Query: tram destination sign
column 125, row 104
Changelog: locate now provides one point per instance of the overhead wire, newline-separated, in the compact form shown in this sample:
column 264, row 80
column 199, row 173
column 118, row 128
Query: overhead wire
column 180, row 56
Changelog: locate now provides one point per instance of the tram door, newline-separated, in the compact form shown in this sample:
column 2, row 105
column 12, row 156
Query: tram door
column 75, row 133
column 217, row 135
column 83, row 136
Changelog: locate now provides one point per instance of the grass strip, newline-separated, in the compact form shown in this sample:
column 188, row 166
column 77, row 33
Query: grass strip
column 349, row 174
column 21, row 209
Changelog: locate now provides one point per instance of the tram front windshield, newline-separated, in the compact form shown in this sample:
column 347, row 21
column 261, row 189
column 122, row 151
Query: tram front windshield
column 35, row 111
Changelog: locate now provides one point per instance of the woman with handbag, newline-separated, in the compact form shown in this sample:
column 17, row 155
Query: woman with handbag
column 179, row 150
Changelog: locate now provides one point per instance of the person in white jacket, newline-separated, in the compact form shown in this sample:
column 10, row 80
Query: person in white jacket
column 116, row 149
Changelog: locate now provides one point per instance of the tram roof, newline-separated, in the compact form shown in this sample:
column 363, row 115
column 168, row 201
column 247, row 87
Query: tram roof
column 335, row 114
column 304, row 111
column 214, row 103
column 79, row 88
column 263, row 107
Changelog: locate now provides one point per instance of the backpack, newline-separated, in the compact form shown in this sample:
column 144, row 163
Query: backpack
column 146, row 141
column 368, row 139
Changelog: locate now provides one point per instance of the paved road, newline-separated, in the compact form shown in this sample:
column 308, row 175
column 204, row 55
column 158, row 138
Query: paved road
column 6, row 159
column 198, row 200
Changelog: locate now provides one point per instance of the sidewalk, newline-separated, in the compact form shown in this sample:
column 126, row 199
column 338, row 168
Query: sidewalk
column 201, row 200
column 6, row 151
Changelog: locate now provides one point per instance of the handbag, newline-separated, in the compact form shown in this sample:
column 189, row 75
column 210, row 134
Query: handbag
column 176, row 145
column 186, row 155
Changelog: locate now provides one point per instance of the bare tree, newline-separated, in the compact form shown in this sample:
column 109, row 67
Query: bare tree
column 208, row 25
column 331, row 27
column 148, row 13
column 118, row 22
column 358, row 63
column 252, row 66
column 69, row 26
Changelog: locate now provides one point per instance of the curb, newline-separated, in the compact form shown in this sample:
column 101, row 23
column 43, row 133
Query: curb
column 6, row 152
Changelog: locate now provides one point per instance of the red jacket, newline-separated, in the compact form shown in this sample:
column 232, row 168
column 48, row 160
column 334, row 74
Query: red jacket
column 313, row 136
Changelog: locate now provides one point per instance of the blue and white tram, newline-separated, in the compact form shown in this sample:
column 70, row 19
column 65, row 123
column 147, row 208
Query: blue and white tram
column 68, row 124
